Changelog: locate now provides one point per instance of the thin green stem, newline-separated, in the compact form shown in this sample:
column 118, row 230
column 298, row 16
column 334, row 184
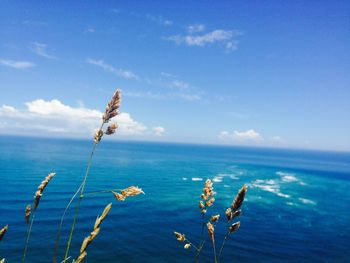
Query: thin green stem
column 79, row 201
column 195, row 247
column 28, row 236
column 223, row 243
column 61, row 224
column 101, row 192
column 202, row 234
column 214, row 251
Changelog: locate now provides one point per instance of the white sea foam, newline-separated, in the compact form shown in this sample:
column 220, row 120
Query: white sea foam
column 307, row 201
column 232, row 176
column 217, row 179
column 197, row 179
column 184, row 178
column 226, row 185
column 289, row 177
column 270, row 185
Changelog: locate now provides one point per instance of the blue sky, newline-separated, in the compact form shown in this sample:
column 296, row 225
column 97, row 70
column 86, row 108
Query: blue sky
column 258, row 73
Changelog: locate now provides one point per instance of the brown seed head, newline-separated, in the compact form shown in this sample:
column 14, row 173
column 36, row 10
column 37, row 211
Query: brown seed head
column 187, row 246
column 210, row 227
column 180, row 237
column 210, row 202
column 132, row 191
column 237, row 213
column 3, row 231
column 228, row 214
column 201, row 205
column 112, row 108
column 40, row 189
column 111, row 129
column 87, row 240
column 215, row 218
column 235, row 226
column 27, row 214
column 237, row 203
column 98, row 136
column 118, row 196
column 208, row 191
column 81, row 257
column 102, row 217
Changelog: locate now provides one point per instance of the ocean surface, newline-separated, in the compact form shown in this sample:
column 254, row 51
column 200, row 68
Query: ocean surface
column 297, row 207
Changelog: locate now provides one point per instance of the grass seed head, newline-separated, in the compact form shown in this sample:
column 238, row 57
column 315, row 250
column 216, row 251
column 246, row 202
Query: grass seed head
column 27, row 214
column 237, row 203
column 3, row 231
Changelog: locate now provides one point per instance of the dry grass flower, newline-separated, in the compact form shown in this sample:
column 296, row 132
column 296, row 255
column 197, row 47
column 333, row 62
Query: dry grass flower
column 27, row 214
column 180, row 237
column 127, row 192
column 3, row 231
column 40, row 189
column 98, row 136
column 207, row 200
column 237, row 203
column 132, row 191
column 87, row 241
column 214, row 218
column 111, row 129
column 118, row 196
column 210, row 227
column 228, row 214
column 235, row 226
column 112, row 108
column 2, row 261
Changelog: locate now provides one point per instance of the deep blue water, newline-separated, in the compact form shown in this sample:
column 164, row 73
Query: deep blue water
column 296, row 208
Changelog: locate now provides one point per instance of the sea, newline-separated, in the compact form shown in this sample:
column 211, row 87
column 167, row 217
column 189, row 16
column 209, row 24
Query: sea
column 296, row 209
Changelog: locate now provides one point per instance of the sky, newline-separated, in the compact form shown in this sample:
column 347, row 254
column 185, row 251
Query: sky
column 255, row 73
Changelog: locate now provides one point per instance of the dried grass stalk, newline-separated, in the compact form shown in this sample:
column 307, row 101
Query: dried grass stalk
column 98, row 136
column 3, row 231
column 112, row 108
column 234, row 227
column 87, row 241
column 40, row 190
column 81, row 257
column 180, row 237
column 111, row 129
column 27, row 214
column 237, row 203
column 210, row 227
column 215, row 218
column 130, row 191
column 118, row 196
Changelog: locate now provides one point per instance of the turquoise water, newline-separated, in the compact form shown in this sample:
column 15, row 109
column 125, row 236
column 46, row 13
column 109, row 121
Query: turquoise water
column 296, row 208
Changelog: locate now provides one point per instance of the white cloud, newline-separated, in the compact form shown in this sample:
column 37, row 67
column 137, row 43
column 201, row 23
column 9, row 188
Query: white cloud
column 90, row 30
column 109, row 68
column 278, row 140
column 41, row 50
column 168, row 23
column 248, row 135
column 17, row 64
column 195, row 28
column 179, row 84
column 159, row 20
column 218, row 36
column 159, row 131
column 41, row 116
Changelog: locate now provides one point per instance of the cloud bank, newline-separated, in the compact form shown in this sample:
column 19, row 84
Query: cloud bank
column 58, row 119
